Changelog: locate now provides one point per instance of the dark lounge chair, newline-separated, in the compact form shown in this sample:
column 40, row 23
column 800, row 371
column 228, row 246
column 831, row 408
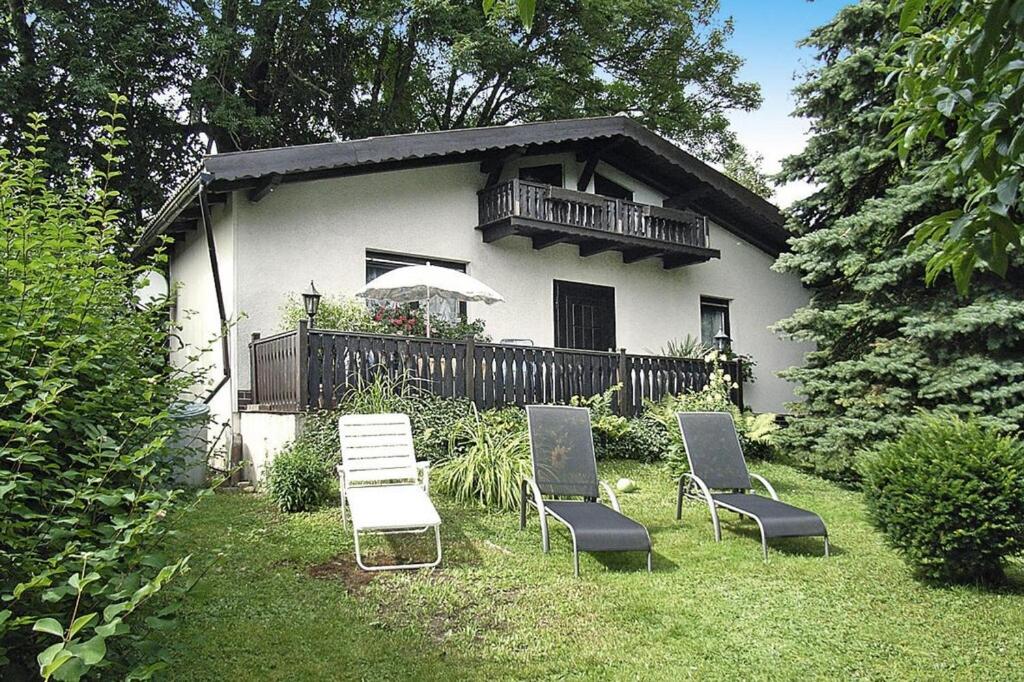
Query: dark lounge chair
column 564, row 466
column 719, row 476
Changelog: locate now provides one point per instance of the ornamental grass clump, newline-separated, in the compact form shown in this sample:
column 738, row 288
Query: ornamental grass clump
column 949, row 494
column 490, row 456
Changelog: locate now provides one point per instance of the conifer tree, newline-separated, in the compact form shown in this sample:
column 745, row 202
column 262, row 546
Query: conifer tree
column 887, row 344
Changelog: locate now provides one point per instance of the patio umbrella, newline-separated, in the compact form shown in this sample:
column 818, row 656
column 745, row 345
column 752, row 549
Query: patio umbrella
column 420, row 282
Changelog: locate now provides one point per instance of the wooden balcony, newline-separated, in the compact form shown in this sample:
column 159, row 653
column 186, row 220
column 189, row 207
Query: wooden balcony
column 553, row 215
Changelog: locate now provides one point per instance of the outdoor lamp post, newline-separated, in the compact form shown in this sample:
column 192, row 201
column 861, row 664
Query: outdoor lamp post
column 722, row 341
column 311, row 301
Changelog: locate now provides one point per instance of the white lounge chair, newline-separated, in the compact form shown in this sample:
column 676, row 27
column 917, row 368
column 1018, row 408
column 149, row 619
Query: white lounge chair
column 385, row 488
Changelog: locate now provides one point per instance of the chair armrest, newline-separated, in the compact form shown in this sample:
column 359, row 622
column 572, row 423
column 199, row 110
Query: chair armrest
column 340, row 470
column 538, row 501
column 699, row 482
column 767, row 486
column 611, row 495
column 423, row 468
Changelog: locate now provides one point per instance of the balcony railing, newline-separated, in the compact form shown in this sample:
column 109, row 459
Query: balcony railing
column 547, row 204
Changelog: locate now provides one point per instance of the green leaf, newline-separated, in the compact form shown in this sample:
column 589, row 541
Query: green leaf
column 50, row 626
column 527, row 8
column 49, row 654
column 91, row 651
column 908, row 14
column 80, row 623
column 1006, row 190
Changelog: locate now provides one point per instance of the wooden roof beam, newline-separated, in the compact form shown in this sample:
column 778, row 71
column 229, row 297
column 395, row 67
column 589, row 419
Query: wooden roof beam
column 544, row 241
column 265, row 187
column 588, row 249
column 495, row 165
column 686, row 199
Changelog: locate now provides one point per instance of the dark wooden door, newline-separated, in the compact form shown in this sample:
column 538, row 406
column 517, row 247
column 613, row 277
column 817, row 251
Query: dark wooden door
column 584, row 316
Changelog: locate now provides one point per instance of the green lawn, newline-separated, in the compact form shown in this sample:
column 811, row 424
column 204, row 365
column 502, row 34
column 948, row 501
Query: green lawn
column 284, row 603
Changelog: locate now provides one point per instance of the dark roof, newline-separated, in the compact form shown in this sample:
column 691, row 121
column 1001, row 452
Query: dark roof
column 621, row 141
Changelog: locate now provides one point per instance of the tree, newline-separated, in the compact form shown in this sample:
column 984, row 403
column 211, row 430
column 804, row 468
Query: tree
column 961, row 85
column 246, row 74
column 748, row 170
column 61, row 59
column 886, row 343
column 286, row 73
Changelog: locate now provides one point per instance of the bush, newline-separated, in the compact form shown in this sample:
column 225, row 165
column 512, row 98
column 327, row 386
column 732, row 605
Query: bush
column 433, row 421
column 85, row 412
column 949, row 493
column 489, row 457
column 299, row 478
column 644, row 439
column 352, row 315
column 335, row 312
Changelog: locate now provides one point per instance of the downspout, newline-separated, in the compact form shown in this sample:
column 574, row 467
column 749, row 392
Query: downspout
column 211, row 247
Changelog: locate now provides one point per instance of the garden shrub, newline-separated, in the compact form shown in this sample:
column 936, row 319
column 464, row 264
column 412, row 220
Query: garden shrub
column 949, row 493
column 84, row 480
column 346, row 314
column 644, row 439
column 489, row 457
column 299, row 478
column 336, row 312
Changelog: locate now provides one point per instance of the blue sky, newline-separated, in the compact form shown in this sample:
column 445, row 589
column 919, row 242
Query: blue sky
column 765, row 35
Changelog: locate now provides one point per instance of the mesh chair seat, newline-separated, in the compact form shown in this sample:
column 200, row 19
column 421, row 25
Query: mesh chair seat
column 599, row 528
column 777, row 518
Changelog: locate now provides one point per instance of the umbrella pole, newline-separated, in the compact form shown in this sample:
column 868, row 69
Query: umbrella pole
column 428, row 312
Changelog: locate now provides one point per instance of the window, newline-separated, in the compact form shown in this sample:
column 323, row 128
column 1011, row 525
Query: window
column 546, row 175
column 377, row 263
column 714, row 317
column 610, row 188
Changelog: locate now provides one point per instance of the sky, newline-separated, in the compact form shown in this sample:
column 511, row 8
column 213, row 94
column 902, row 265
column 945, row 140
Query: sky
column 765, row 35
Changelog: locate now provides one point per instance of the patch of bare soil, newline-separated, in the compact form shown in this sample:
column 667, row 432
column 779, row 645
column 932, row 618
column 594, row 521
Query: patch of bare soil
column 344, row 569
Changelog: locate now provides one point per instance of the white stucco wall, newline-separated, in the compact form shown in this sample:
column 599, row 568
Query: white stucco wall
column 191, row 280
column 322, row 229
column 264, row 434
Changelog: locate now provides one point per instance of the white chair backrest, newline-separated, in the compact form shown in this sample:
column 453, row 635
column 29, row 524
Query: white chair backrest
column 376, row 448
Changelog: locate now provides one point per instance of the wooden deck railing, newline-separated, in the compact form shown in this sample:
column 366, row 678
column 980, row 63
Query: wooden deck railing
column 311, row 369
column 523, row 199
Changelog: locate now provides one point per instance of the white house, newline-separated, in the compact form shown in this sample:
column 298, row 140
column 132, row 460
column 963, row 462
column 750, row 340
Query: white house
column 599, row 233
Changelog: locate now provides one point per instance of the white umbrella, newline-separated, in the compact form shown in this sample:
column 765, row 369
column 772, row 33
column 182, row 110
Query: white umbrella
column 420, row 282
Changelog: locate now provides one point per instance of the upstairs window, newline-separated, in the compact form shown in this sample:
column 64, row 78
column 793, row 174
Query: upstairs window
column 714, row 317
column 378, row 263
column 545, row 175
column 610, row 188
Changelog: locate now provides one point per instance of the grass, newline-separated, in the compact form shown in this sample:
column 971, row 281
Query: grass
column 282, row 601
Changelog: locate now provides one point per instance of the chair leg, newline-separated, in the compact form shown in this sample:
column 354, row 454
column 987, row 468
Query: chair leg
column 826, row 546
column 522, row 505
column 679, row 500
column 650, row 559
column 545, row 541
column 716, row 523
column 764, row 546
column 399, row 567
column 575, row 563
